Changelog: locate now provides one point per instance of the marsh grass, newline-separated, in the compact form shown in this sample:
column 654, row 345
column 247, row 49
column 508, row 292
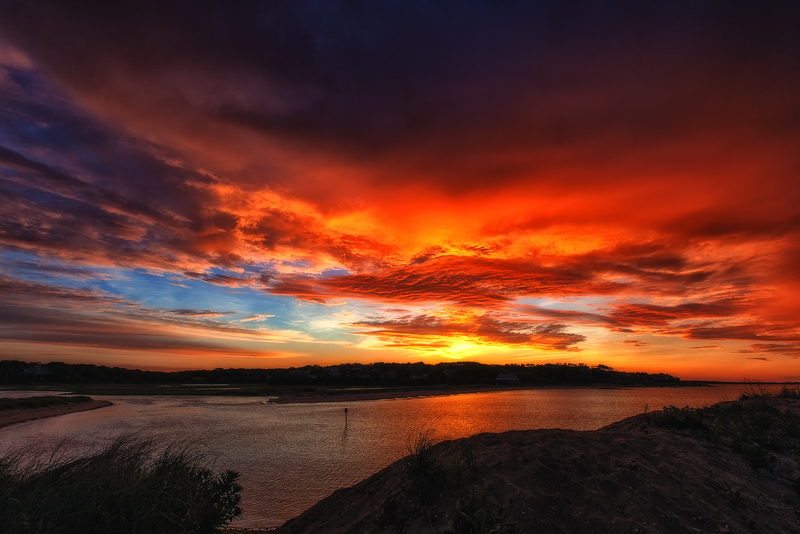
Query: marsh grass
column 755, row 431
column 128, row 487
column 756, row 390
column 40, row 402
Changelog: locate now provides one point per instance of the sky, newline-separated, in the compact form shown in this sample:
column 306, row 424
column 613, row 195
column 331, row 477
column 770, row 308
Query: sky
column 191, row 185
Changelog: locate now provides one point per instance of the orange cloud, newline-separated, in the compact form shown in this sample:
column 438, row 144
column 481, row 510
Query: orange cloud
column 429, row 332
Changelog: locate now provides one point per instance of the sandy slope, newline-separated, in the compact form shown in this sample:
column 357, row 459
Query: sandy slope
column 11, row 417
column 627, row 477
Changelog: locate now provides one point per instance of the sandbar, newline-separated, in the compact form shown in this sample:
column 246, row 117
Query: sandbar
column 12, row 417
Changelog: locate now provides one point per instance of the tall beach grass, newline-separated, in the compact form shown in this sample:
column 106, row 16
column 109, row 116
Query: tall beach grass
column 131, row 486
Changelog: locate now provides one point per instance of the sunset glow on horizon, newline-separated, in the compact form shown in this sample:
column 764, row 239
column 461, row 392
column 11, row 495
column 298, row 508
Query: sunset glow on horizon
column 290, row 183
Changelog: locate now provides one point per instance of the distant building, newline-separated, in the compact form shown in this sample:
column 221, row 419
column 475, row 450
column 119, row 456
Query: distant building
column 36, row 369
column 507, row 378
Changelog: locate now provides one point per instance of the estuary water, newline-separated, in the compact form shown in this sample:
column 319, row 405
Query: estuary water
column 290, row 456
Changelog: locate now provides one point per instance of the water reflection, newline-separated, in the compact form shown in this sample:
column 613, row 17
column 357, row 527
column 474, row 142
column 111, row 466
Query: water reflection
column 292, row 455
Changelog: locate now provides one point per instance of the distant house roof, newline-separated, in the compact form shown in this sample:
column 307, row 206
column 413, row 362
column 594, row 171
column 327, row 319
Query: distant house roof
column 507, row 377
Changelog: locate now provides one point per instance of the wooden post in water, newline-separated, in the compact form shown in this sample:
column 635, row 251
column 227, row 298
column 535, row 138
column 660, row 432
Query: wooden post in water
column 345, row 417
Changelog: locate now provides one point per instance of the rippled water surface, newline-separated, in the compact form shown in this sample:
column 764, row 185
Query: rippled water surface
column 292, row 455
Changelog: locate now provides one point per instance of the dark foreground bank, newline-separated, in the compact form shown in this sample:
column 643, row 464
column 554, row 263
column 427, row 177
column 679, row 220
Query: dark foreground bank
column 728, row 468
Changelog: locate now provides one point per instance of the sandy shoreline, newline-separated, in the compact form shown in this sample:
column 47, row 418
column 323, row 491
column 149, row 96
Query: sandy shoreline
column 12, row 417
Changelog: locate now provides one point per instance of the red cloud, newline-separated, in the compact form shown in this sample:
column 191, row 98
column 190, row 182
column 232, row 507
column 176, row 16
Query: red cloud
column 789, row 349
column 654, row 315
column 472, row 281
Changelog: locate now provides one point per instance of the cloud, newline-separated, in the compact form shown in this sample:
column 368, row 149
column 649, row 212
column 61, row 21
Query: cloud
column 635, row 342
column 473, row 281
column 256, row 318
column 762, row 332
column 78, row 316
column 444, row 331
column 23, row 292
column 654, row 315
column 790, row 349
column 353, row 79
column 531, row 116
column 199, row 313
column 657, row 318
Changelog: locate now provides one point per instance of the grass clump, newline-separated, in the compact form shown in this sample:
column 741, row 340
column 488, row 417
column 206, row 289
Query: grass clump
column 679, row 418
column 463, row 466
column 472, row 515
column 40, row 402
column 128, row 487
column 442, row 484
column 421, row 467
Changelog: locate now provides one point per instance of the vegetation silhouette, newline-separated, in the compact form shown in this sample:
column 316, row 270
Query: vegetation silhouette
column 129, row 486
